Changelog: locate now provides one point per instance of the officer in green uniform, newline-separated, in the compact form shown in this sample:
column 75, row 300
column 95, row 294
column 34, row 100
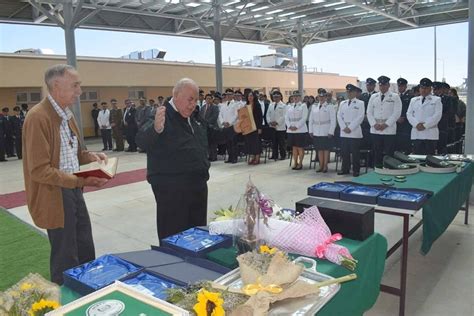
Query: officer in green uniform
column 116, row 119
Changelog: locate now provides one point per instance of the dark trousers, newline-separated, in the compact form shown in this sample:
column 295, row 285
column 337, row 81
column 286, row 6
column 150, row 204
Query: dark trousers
column 350, row 146
column 73, row 244
column 2, row 148
column 96, row 128
column 383, row 145
column 231, row 147
column 106, row 138
column 403, row 143
column 442, row 142
column 9, row 145
column 278, row 144
column 131, row 132
column 179, row 207
column 117, row 134
column 424, row 147
column 212, row 151
column 18, row 146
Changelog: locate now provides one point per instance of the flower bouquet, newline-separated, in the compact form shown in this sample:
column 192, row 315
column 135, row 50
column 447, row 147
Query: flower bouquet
column 309, row 235
column 263, row 285
column 31, row 296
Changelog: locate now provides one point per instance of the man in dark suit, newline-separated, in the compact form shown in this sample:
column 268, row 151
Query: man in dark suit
column 17, row 125
column 9, row 148
column 95, row 114
column 130, row 124
column 210, row 113
column 403, row 126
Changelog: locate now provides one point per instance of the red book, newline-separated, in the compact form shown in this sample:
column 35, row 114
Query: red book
column 99, row 170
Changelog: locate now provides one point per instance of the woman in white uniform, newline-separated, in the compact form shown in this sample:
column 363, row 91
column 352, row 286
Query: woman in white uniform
column 297, row 131
column 322, row 123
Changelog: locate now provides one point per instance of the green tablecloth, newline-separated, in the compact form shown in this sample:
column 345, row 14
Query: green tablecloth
column 355, row 297
column 450, row 191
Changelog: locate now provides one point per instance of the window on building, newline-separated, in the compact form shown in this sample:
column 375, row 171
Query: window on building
column 28, row 96
column 90, row 95
column 135, row 94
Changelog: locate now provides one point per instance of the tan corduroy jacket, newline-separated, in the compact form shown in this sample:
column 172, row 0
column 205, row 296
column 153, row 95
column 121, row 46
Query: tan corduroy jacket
column 43, row 179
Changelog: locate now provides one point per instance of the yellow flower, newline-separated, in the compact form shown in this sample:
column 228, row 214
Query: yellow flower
column 266, row 249
column 209, row 304
column 26, row 286
column 42, row 307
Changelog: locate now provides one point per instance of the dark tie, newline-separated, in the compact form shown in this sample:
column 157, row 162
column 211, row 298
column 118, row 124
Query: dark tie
column 382, row 97
column 349, row 103
column 423, row 100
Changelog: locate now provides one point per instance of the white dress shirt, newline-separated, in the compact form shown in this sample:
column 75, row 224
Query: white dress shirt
column 296, row 116
column 228, row 113
column 429, row 113
column 104, row 119
column 387, row 111
column 276, row 113
column 351, row 114
column 322, row 119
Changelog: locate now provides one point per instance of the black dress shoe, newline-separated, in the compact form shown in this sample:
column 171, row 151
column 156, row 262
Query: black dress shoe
column 341, row 173
column 228, row 161
column 319, row 170
column 104, row 149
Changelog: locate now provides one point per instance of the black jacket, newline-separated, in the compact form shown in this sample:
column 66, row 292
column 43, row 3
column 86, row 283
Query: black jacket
column 178, row 155
column 129, row 117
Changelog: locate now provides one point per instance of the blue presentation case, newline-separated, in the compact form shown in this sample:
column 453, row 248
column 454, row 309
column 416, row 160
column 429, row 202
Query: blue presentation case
column 402, row 199
column 361, row 194
column 150, row 283
column 98, row 273
column 196, row 242
column 327, row 190
column 156, row 256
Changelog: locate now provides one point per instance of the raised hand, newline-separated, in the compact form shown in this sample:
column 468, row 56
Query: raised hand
column 160, row 119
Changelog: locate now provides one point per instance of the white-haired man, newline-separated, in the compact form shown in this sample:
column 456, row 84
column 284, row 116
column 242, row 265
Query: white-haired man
column 52, row 152
column 176, row 144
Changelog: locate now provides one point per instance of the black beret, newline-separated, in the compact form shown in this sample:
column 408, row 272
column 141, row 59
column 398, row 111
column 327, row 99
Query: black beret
column 425, row 82
column 446, row 85
column 358, row 89
column 351, row 87
column 401, row 81
column 322, row 92
column 370, row 81
column 383, row 79
column 437, row 85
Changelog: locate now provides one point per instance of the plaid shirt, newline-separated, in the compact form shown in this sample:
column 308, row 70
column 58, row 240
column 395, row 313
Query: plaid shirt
column 68, row 160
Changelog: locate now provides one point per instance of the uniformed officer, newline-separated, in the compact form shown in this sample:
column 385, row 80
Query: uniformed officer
column 366, row 142
column 116, row 120
column 383, row 112
column 448, row 115
column 297, row 130
column 322, row 123
column 424, row 114
column 276, row 119
column 403, row 143
column 349, row 117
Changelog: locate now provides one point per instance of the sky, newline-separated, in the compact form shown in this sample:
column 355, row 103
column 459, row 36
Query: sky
column 409, row 54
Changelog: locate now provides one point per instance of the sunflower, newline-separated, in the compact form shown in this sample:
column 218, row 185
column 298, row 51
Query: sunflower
column 42, row 307
column 209, row 304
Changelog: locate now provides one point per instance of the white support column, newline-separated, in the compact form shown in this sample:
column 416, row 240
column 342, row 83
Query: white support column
column 469, row 145
column 70, row 41
column 299, row 47
column 218, row 47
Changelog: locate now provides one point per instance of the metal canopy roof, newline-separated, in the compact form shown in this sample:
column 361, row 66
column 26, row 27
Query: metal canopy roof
column 272, row 22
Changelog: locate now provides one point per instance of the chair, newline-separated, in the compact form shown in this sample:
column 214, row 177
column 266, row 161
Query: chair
column 364, row 154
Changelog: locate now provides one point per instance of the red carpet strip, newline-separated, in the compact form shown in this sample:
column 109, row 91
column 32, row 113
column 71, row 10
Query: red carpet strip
column 15, row 199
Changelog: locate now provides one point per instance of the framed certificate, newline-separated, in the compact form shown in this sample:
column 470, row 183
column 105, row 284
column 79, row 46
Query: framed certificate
column 246, row 119
column 119, row 299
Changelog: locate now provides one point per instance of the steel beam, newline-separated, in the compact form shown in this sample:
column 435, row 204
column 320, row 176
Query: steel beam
column 218, row 48
column 299, row 47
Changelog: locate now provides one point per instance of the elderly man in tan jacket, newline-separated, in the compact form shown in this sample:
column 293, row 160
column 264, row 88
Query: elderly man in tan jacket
column 52, row 152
